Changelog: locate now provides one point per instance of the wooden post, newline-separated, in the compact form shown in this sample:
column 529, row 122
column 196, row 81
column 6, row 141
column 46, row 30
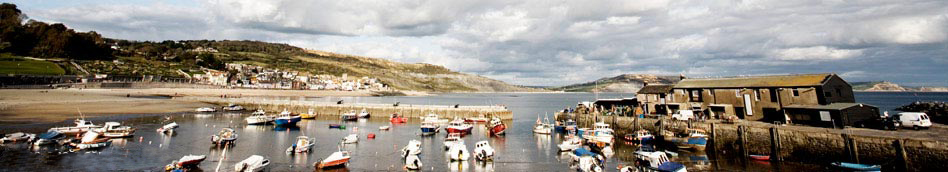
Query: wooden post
column 713, row 137
column 774, row 144
column 742, row 130
column 900, row 153
column 855, row 149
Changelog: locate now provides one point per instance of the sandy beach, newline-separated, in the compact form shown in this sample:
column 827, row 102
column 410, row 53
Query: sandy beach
column 25, row 106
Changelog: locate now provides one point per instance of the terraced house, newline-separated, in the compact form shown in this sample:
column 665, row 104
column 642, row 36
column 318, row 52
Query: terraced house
column 818, row 99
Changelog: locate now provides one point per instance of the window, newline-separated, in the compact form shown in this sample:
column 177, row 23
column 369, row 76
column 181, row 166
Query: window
column 839, row 92
column 773, row 95
column 796, row 92
column 696, row 95
column 737, row 93
column 828, row 94
column 757, row 94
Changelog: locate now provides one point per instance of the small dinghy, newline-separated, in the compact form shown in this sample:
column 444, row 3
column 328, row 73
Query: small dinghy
column 168, row 128
column 205, row 109
column 337, row 159
column 258, row 117
column 186, row 162
column 18, row 137
column 384, row 127
column 458, row 152
column 452, row 139
column 309, row 115
column 856, row 167
column 483, row 151
column 226, row 136
column 337, row 126
column 370, row 136
column 412, row 162
column 396, row 119
column 303, row 144
column 352, row 138
column 51, row 137
column 233, row 107
column 543, row 127
column 252, row 164
column 115, row 129
column 413, row 148
column 759, row 157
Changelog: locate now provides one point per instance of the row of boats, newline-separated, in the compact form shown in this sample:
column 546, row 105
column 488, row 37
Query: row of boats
column 85, row 135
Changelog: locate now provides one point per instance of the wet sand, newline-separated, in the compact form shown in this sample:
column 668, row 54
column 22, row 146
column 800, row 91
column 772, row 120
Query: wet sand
column 27, row 106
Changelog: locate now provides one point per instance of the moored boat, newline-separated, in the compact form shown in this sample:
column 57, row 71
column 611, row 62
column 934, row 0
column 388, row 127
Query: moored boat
column 89, row 140
column 384, row 127
column 337, row 126
column 351, row 138
column 428, row 128
column 570, row 143
column 188, row 161
column 483, row 151
column 856, row 167
column 657, row 161
column 396, row 119
column 303, row 144
column 601, row 134
column 336, row 159
column 18, row 137
column 115, row 129
column 759, row 157
column 412, row 148
column 543, row 127
column 205, row 109
column 458, row 152
column 566, row 126
column 349, row 116
column 309, row 114
column 51, row 137
column 81, row 127
column 252, row 164
column 225, row 137
column 458, row 126
column 640, row 136
column 286, row 118
column 363, row 114
column 233, row 107
column 497, row 126
column 412, row 162
column 167, row 128
column 452, row 139
column 258, row 117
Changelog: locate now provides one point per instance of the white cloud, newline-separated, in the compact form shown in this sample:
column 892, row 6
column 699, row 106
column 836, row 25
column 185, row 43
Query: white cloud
column 815, row 53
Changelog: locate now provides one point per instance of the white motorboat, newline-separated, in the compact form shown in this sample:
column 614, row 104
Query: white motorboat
column 384, row 127
column 303, row 144
column 570, row 143
column 412, row 162
column 458, row 152
column 458, row 126
column 349, row 116
column 363, row 114
column 51, row 137
column 81, row 127
column 233, row 107
column 336, row 159
column 168, row 128
column 352, row 138
column 483, row 151
column 115, row 129
column 433, row 118
column 259, row 117
column 18, row 137
column 413, row 148
column 452, row 139
column 187, row 161
column 602, row 133
column 429, row 128
column 206, row 109
column 224, row 137
column 90, row 139
column 253, row 163
column 655, row 161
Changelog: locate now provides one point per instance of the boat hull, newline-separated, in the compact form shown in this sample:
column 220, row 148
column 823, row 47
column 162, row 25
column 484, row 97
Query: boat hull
column 498, row 129
column 459, row 130
column 349, row 117
column 397, row 120
column 333, row 163
column 287, row 121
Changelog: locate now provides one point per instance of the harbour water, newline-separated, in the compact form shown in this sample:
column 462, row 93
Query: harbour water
column 519, row 150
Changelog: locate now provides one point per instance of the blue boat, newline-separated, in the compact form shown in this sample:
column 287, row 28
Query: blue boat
column 287, row 120
column 565, row 126
column 856, row 167
column 671, row 167
column 428, row 128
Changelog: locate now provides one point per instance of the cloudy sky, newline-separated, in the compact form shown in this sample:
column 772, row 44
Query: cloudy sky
column 554, row 42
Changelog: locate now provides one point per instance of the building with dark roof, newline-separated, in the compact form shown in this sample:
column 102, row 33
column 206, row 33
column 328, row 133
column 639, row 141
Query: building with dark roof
column 652, row 98
column 758, row 98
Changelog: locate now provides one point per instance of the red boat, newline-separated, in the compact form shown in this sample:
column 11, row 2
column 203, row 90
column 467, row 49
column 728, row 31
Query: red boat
column 397, row 119
column 458, row 126
column 371, row 136
column 760, row 157
column 497, row 127
column 337, row 159
column 475, row 120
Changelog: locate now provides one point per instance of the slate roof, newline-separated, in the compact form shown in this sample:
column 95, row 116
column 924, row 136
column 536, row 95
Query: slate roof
column 756, row 81
column 656, row 89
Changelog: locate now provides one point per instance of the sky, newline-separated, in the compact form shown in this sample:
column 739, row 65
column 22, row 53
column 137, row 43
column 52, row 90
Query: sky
column 557, row 42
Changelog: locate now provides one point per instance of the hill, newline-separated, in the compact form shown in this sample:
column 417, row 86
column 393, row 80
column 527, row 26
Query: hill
column 83, row 53
column 621, row 83
column 889, row 86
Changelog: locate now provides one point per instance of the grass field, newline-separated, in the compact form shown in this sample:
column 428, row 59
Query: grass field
column 17, row 65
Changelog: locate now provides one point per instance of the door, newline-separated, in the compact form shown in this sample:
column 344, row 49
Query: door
column 748, row 107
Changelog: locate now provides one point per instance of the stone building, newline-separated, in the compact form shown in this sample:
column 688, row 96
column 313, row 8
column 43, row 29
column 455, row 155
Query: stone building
column 757, row 98
column 653, row 98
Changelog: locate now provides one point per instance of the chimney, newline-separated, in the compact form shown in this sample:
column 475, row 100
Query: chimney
column 644, row 84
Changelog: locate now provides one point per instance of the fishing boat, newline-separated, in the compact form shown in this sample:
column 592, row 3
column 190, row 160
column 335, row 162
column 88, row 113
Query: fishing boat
column 81, row 127
column 695, row 139
column 303, row 144
column 89, row 140
column 458, row 152
column 384, row 127
column 760, row 157
column 350, row 116
column 601, row 134
column 224, row 137
column 452, row 139
column 115, row 129
column 50, row 137
column 413, row 148
column 657, row 161
column 352, row 138
column 363, row 114
column 570, row 143
column 190, row 161
column 205, row 109
column 412, row 162
column 396, row 119
column 253, row 163
column 258, row 117
column 168, row 128
column 640, row 136
column 856, row 167
column 336, row 159
column 566, row 126
column 483, row 151
column 543, row 127
column 458, row 126
column 496, row 126
column 233, row 107
column 18, row 137
column 433, row 118
column 428, row 128
column 286, row 118
column 337, row 126
column 309, row 114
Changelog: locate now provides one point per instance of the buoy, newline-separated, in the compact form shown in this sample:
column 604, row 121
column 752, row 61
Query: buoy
column 371, row 135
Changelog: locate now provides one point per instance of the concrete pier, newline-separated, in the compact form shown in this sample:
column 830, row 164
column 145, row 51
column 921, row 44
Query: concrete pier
column 815, row 145
column 331, row 108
